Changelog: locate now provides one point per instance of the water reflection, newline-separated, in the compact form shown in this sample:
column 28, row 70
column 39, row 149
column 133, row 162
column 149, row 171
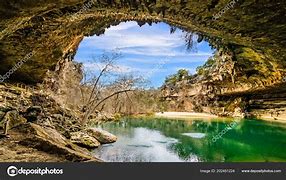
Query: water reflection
column 162, row 140
column 140, row 145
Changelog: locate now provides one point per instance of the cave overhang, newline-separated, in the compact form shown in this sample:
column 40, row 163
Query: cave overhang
column 52, row 30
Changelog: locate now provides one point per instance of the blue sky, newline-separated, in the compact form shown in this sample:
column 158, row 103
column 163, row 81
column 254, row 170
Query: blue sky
column 148, row 51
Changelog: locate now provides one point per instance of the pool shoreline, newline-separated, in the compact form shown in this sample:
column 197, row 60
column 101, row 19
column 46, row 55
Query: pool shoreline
column 207, row 116
column 185, row 115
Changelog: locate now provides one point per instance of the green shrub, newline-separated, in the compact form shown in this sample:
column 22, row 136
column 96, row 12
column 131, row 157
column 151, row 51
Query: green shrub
column 182, row 74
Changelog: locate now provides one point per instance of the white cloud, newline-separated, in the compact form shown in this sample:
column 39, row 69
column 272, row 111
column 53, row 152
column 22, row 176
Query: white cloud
column 143, row 49
column 115, row 68
column 167, row 52
column 122, row 26
column 96, row 67
column 135, row 42
column 121, row 41
column 139, row 42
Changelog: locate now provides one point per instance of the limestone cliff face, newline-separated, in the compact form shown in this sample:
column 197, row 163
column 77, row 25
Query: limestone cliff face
column 64, row 83
column 225, row 90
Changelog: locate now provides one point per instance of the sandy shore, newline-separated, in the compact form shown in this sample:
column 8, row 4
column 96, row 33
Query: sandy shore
column 185, row 115
column 269, row 118
column 206, row 116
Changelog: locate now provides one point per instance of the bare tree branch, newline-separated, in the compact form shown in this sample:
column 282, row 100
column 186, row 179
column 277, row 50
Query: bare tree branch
column 104, row 99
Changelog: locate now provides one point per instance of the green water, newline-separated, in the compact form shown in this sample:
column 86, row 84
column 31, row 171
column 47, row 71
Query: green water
column 163, row 140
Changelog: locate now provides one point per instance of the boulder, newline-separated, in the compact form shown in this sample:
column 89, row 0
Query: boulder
column 84, row 140
column 102, row 136
column 51, row 141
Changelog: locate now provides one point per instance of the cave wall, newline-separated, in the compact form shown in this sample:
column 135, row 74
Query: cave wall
column 250, row 34
column 253, row 28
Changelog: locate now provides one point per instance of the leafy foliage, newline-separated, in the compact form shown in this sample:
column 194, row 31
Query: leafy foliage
column 181, row 75
column 202, row 70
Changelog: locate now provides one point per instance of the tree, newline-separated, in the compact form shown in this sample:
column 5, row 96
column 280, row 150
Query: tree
column 106, row 84
column 203, row 70
column 182, row 74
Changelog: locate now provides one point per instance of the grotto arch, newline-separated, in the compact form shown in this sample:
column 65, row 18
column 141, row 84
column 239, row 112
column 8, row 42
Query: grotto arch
column 50, row 32
column 247, row 78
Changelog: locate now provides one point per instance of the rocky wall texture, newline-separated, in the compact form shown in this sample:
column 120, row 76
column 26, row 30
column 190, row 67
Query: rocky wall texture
column 32, row 121
column 250, row 34
column 53, row 29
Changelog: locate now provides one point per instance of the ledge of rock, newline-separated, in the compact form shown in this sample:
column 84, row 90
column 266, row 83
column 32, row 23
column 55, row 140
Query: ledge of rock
column 39, row 124
column 84, row 140
column 51, row 141
column 102, row 136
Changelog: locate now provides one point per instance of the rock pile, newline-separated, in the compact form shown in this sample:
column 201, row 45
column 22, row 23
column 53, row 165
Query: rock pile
column 37, row 121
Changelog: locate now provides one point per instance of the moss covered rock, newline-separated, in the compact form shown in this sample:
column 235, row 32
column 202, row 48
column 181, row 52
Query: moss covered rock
column 84, row 140
column 51, row 141
column 102, row 136
column 11, row 120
